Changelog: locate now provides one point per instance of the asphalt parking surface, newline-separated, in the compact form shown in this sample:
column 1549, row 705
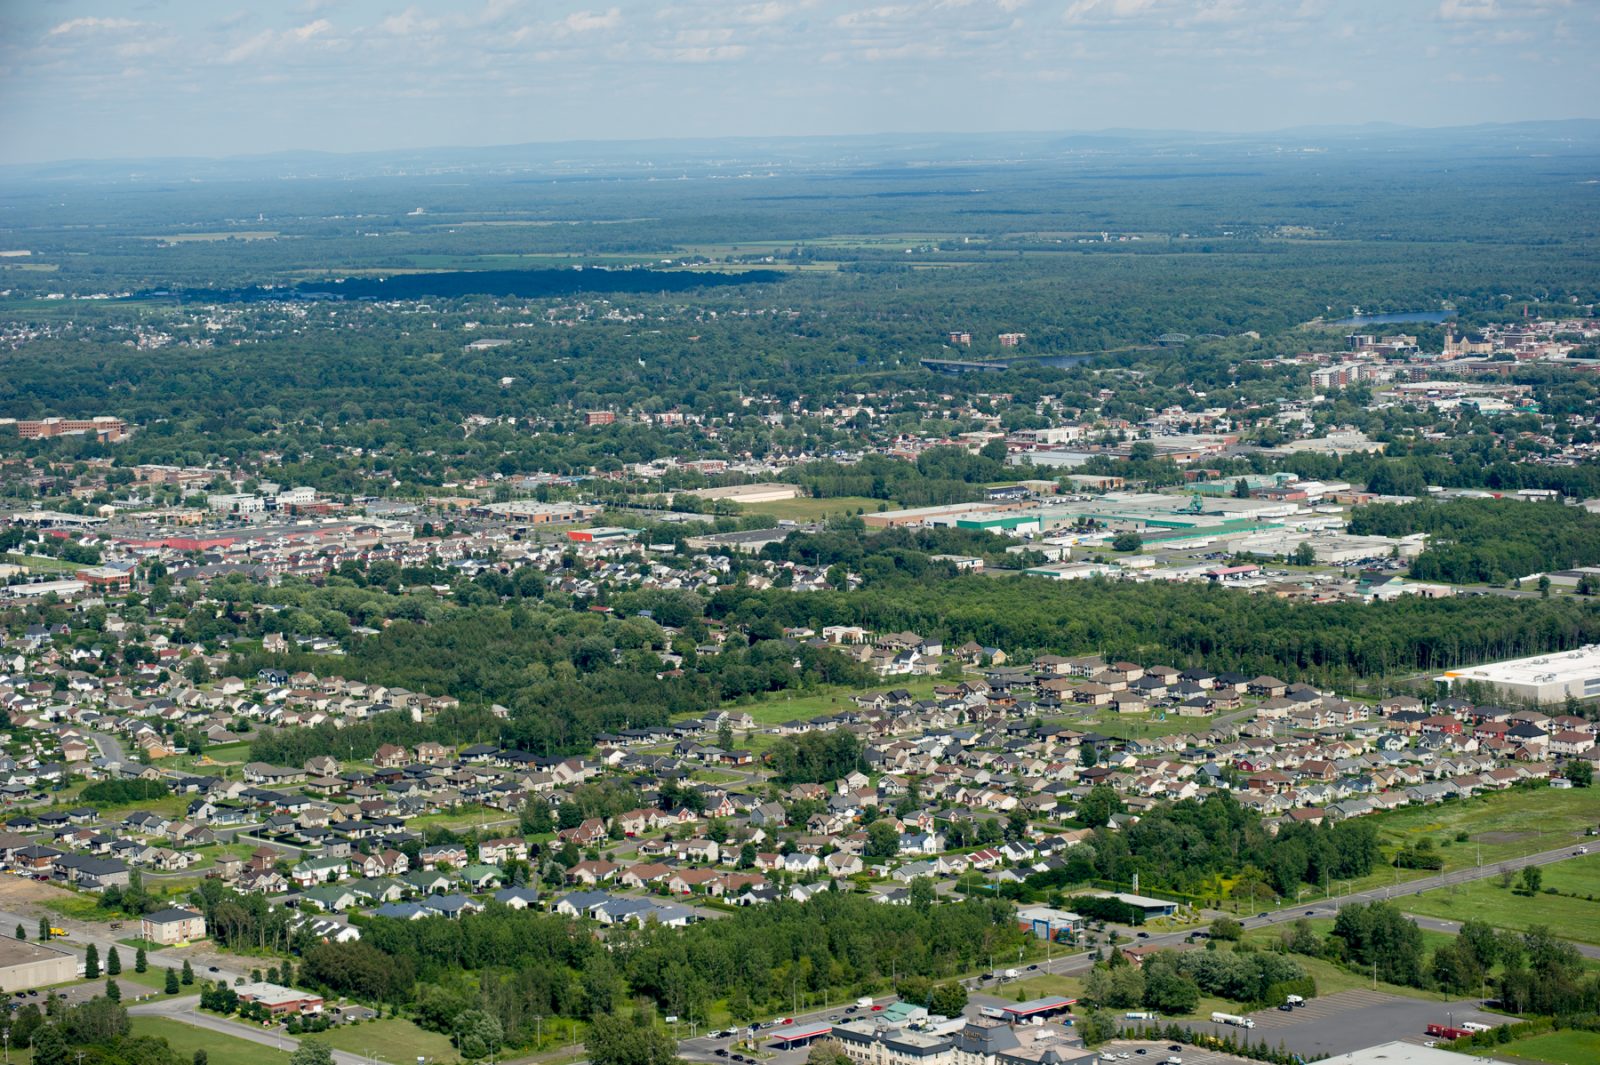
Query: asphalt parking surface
column 1350, row 1020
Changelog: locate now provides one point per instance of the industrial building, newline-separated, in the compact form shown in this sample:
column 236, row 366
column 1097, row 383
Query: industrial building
column 24, row 965
column 768, row 492
column 1547, row 678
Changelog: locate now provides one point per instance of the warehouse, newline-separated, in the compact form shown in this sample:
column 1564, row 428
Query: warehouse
column 1543, row 679
column 767, row 492
column 24, row 965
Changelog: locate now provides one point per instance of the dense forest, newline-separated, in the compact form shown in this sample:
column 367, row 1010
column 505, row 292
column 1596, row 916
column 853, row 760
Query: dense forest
column 1472, row 541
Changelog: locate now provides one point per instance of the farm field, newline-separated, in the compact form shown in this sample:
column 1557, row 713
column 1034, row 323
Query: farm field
column 1485, row 900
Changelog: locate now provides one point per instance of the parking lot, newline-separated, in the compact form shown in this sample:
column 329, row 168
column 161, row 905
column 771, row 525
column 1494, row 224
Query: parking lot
column 1350, row 1020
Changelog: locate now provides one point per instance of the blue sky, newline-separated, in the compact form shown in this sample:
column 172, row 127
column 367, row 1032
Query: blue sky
column 98, row 79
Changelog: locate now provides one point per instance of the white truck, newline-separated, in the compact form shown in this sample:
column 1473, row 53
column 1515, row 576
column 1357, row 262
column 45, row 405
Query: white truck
column 1294, row 1000
column 864, row 1002
column 1139, row 1015
column 1011, row 974
column 1233, row 1019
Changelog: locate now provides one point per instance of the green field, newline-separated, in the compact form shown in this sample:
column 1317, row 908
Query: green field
column 1502, row 825
column 393, row 1039
column 42, row 563
column 808, row 509
column 1141, row 726
column 1040, row 986
column 1557, row 1048
column 788, row 706
column 1485, row 900
column 220, row 1049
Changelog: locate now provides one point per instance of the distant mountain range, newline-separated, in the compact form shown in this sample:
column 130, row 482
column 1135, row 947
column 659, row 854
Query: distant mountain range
column 735, row 155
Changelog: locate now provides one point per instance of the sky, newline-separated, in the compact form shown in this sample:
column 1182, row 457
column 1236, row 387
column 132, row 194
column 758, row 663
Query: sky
column 91, row 79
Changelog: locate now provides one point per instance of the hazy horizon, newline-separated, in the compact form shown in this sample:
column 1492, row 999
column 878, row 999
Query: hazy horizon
column 95, row 79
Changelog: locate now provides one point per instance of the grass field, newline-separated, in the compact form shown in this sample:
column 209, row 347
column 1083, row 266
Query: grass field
column 808, row 509
column 393, row 1039
column 220, row 1049
column 1485, row 900
column 1142, row 726
column 42, row 563
column 787, row 706
column 1557, row 1048
column 1040, row 986
column 1503, row 825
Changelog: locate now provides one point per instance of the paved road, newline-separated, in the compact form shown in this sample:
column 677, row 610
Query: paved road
column 185, row 1011
column 110, row 747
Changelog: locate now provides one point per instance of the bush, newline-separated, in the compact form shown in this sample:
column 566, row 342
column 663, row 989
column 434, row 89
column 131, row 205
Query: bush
column 1226, row 928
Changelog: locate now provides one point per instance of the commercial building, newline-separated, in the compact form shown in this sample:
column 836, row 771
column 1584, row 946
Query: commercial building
column 748, row 542
column 280, row 1000
column 868, row 1042
column 1543, row 678
column 105, row 428
column 1046, row 922
column 601, row 534
column 532, row 512
column 799, row 1035
column 26, row 965
column 106, row 579
column 988, row 1041
column 1027, row 1012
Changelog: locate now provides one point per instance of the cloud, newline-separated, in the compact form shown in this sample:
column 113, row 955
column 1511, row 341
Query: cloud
column 761, row 14
column 407, row 23
column 249, row 47
column 311, row 29
column 587, row 21
column 270, row 40
column 1467, row 10
column 1107, row 10
column 91, row 25
column 712, row 54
